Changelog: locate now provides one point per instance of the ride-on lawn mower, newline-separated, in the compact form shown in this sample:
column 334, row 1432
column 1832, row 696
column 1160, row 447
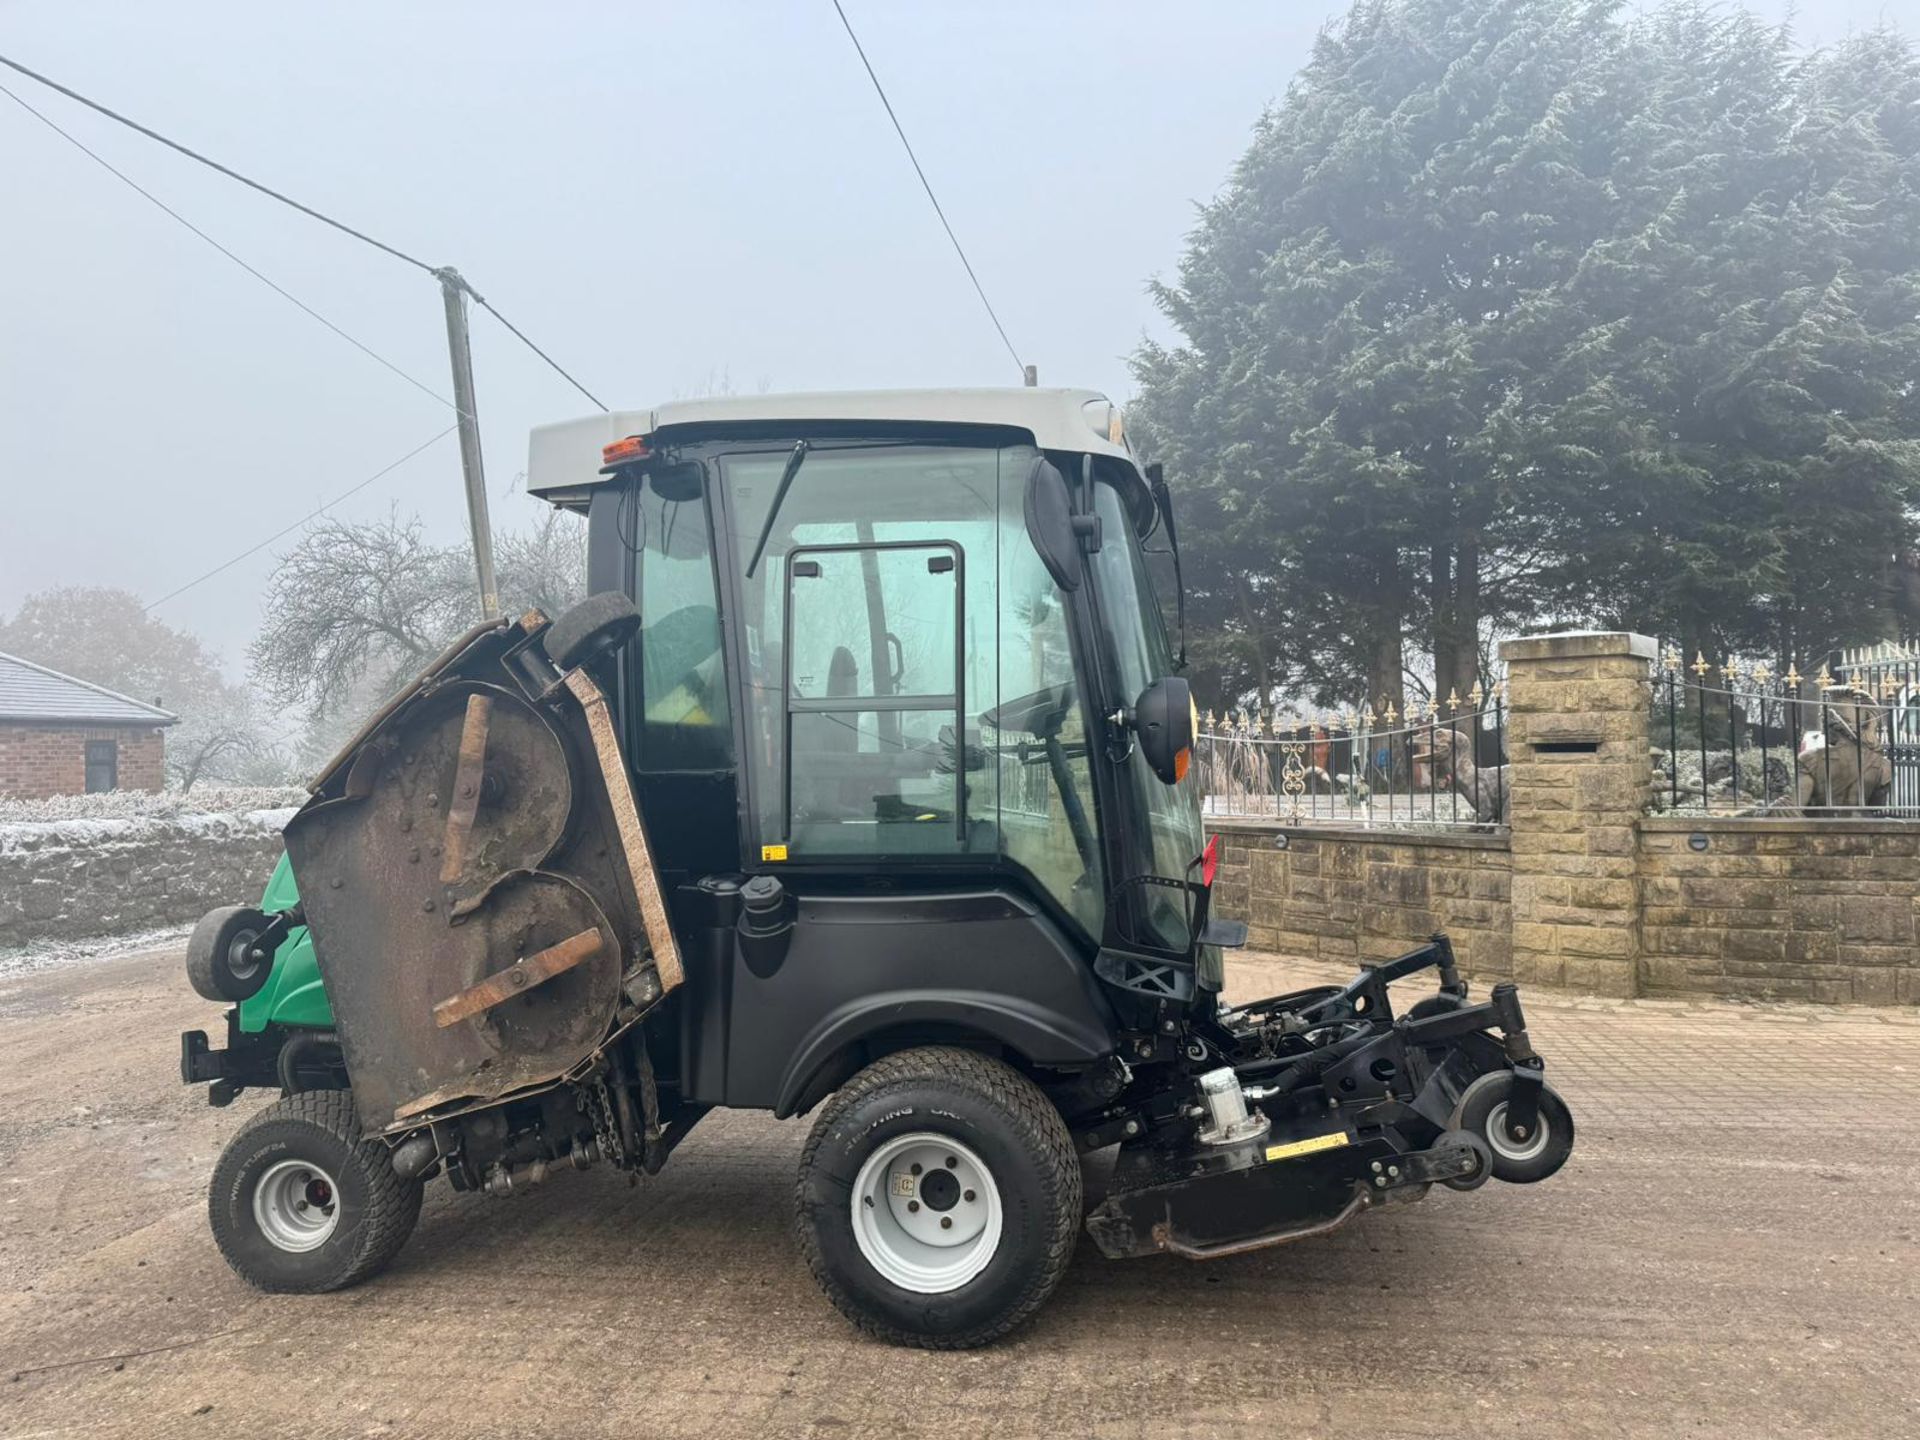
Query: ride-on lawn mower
column 858, row 785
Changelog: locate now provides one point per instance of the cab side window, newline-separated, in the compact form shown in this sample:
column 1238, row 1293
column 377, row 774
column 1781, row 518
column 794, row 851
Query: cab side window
column 683, row 719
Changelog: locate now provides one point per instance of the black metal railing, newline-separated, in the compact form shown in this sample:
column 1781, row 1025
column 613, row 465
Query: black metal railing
column 1767, row 741
column 1440, row 764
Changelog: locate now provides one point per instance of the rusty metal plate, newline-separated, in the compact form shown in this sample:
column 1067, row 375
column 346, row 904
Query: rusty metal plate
column 470, row 827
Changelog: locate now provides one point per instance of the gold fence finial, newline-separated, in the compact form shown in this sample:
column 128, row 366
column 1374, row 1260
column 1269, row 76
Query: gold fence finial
column 1672, row 658
column 1700, row 666
column 1793, row 676
column 1453, row 699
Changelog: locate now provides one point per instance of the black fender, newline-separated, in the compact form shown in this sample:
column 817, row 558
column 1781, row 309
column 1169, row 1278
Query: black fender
column 1035, row 1033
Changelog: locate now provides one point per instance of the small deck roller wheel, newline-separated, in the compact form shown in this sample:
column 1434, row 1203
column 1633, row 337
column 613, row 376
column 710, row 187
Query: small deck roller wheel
column 597, row 626
column 301, row 1202
column 1519, row 1159
column 939, row 1199
column 222, row 963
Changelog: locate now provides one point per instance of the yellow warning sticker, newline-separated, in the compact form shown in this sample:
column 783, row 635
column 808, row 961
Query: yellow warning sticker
column 1308, row 1147
column 773, row 852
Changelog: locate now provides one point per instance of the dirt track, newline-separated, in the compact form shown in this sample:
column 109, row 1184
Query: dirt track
column 1734, row 1250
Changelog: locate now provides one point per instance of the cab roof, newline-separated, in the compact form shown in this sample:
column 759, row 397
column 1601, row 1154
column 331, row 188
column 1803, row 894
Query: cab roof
column 563, row 459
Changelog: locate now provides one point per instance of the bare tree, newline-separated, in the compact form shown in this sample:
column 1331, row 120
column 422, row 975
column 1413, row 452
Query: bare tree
column 358, row 600
column 359, row 607
column 546, row 565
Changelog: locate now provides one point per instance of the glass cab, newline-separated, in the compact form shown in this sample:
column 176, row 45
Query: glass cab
column 854, row 662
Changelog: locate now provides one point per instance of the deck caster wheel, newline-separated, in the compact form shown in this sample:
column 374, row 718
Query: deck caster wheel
column 597, row 626
column 1519, row 1159
column 1435, row 1005
column 301, row 1202
column 939, row 1199
column 1483, row 1170
column 221, row 960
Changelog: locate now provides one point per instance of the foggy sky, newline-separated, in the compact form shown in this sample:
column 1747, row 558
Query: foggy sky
column 659, row 195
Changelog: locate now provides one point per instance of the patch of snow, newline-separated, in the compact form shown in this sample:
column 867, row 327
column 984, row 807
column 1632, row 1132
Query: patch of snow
column 23, row 960
column 164, row 805
column 48, row 836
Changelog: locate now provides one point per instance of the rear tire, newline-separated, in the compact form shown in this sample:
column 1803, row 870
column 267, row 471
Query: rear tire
column 220, row 963
column 302, row 1203
column 955, row 1137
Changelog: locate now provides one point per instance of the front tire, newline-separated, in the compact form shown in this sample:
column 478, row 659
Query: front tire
column 302, row 1203
column 939, row 1199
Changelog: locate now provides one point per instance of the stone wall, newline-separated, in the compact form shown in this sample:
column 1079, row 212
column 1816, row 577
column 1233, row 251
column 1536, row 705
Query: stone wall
column 1584, row 890
column 71, row 879
column 1351, row 895
column 1776, row 908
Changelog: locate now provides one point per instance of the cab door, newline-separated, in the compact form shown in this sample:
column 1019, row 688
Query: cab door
column 874, row 759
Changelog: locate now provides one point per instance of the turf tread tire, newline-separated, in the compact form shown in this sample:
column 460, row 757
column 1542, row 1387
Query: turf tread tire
column 389, row 1210
column 1034, row 1124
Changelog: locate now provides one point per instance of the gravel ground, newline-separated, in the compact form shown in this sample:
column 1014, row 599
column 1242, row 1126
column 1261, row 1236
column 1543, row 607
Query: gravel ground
column 1731, row 1252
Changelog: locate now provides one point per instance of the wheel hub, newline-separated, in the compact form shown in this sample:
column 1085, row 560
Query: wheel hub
column 926, row 1213
column 296, row 1205
column 240, row 961
column 1510, row 1144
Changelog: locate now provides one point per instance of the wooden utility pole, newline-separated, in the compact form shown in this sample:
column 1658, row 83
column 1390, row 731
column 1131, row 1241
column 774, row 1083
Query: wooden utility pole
column 454, row 291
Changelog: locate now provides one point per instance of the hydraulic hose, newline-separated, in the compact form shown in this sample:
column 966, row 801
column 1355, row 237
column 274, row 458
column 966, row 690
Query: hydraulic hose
column 287, row 1065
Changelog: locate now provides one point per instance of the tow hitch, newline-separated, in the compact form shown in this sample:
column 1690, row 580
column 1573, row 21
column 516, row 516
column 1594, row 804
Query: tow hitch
column 1327, row 1104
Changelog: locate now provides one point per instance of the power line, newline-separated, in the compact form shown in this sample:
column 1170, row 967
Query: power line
column 211, row 164
column 270, row 192
column 926, row 185
column 487, row 305
column 225, row 565
column 271, row 284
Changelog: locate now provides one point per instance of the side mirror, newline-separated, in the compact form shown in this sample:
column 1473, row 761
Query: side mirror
column 1050, row 523
column 1164, row 721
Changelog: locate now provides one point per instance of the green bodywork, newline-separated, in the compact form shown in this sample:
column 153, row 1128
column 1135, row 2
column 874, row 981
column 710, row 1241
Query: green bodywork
column 293, row 994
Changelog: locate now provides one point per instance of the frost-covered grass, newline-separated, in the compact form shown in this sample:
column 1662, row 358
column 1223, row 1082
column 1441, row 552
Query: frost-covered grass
column 166, row 805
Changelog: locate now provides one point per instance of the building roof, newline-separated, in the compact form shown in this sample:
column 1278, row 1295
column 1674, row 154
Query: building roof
column 32, row 692
column 565, row 457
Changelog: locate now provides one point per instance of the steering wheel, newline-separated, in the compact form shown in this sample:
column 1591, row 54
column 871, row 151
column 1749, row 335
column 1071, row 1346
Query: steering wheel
column 1042, row 713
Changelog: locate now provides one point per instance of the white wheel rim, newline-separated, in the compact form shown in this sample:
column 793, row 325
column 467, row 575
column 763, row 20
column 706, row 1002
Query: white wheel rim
column 1505, row 1146
column 296, row 1205
column 926, row 1213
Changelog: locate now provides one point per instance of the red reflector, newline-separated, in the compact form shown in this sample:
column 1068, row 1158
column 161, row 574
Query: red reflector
column 1210, row 862
column 625, row 452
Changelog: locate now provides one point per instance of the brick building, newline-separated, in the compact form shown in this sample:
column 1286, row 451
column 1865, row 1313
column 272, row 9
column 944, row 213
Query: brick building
column 62, row 736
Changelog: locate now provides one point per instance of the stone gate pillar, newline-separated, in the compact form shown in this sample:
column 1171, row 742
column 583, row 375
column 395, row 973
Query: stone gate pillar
column 1577, row 741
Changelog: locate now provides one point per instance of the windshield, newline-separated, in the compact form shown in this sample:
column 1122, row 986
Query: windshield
column 1135, row 628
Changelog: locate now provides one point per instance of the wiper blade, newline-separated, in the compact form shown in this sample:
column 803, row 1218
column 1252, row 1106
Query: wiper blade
column 794, row 462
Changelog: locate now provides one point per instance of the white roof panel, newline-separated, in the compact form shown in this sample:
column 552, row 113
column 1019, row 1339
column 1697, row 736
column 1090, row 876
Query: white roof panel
column 566, row 455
